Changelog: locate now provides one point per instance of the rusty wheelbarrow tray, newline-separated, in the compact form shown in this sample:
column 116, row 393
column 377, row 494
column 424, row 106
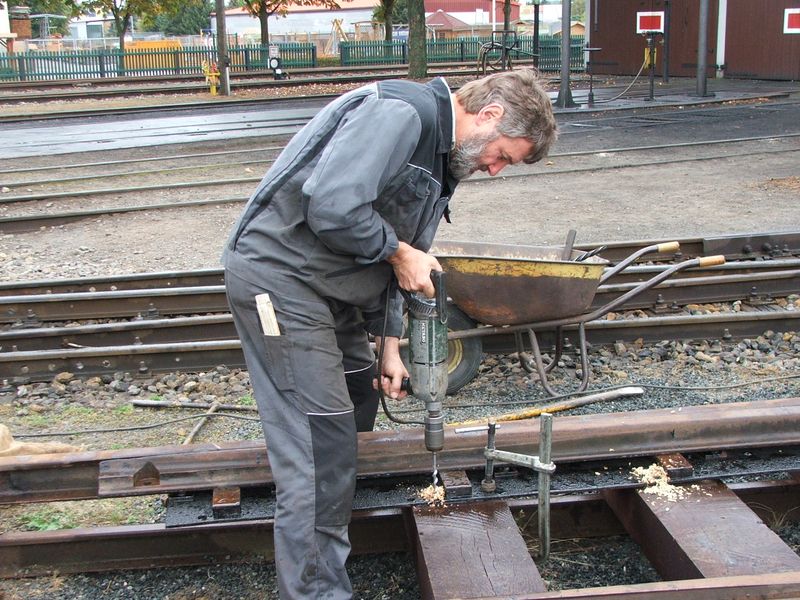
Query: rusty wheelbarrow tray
column 521, row 289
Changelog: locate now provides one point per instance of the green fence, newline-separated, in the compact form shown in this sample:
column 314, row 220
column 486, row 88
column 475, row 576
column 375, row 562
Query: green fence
column 464, row 50
column 92, row 64
column 98, row 64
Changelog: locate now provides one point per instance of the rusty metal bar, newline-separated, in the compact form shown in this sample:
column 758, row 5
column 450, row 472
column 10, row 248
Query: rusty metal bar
column 575, row 438
column 121, row 303
column 211, row 298
column 148, row 546
column 218, row 346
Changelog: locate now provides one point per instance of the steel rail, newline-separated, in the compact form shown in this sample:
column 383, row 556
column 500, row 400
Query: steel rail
column 621, row 150
column 744, row 245
column 130, row 189
column 130, row 161
column 202, row 87
column 238, row 180
column 141, row 172
column 147, row 359
column 344, row 71
column 606, row 436
column 28, row 223
column 164, row 337
column 188, row 300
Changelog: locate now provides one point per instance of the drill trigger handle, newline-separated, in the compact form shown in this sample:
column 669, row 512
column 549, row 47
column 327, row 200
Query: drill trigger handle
column 438, row 278
column 426, row 307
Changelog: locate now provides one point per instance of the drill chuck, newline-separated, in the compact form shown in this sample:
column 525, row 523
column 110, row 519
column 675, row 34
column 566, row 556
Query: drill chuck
column 434, row 431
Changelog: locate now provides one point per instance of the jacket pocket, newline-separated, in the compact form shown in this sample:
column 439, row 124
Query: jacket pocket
column 280, row 366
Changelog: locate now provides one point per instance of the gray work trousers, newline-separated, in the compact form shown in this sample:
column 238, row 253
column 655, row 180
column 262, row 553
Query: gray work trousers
column 307, row 415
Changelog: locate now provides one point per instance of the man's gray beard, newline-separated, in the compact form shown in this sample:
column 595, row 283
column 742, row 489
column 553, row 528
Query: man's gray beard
column 466, row 155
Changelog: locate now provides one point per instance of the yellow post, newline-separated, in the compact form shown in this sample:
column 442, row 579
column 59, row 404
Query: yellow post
column 212, row 76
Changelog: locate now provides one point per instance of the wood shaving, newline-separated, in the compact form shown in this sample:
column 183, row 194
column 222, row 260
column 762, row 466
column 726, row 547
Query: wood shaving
column 433, row 495
column 657, row 482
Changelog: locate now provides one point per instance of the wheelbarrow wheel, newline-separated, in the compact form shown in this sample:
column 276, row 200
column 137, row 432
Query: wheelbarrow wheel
column 464, row 356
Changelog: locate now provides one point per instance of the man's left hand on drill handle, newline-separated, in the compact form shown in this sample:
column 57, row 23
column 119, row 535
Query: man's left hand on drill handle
column 394, row 371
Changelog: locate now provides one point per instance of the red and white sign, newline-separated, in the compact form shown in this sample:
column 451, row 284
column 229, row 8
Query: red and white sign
column 791, row 20
column 650, row 21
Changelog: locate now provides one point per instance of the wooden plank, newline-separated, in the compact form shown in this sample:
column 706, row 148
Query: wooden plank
column 472, row 550
column 707, row 531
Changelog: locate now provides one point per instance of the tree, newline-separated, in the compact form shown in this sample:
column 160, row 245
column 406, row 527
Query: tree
column 390, row 12
column 578, row 10
column 189, row 19
column 264, row 9
column 417, row 48
column 66, row 8
column 123, row 11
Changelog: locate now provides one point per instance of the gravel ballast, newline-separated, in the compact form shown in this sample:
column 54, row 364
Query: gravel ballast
column 713, row 197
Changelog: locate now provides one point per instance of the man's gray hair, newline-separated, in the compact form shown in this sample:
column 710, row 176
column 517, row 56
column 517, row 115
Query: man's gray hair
column 528, row 110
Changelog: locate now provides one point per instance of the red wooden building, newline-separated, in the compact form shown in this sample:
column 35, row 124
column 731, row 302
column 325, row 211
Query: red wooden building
column 746, row 38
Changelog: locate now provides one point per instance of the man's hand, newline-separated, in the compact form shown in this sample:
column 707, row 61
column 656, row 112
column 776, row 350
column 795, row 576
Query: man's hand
column 393, row 369
column 413, row 268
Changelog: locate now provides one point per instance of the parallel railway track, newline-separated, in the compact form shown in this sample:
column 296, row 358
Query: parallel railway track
column 179, row 321
column 51, row 204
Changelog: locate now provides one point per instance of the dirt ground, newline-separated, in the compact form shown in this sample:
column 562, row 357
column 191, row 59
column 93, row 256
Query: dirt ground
column 738, row 187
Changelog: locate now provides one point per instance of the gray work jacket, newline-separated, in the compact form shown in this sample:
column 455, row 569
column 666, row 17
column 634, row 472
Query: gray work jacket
column 367, row 171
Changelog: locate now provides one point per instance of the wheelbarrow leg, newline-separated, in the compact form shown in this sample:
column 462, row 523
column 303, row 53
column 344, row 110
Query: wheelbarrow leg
column 542, row 371
column 525, row 358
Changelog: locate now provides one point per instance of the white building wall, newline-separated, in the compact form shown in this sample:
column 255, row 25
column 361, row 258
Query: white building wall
column 5, row 25
column 300, row 22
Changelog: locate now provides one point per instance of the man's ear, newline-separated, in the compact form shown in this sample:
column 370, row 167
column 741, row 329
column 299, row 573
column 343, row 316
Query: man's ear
column 491, row 112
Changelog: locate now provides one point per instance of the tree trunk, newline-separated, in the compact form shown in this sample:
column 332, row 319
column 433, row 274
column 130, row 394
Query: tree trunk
column 122, row 26
column 507, row 15
column 263, row 17
column 417, row 51
column 388, row 9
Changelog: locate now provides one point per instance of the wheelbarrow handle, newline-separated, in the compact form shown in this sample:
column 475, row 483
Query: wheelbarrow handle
column 711, row 261
column 663, row 248
column 668, row 247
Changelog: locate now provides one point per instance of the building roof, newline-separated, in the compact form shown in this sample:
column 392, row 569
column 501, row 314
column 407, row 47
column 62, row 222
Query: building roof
column 444, row 21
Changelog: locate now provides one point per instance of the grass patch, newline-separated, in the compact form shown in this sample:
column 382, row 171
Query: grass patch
column 123, row 410
column 37, row 420
column 106, row 512
column 46, row 519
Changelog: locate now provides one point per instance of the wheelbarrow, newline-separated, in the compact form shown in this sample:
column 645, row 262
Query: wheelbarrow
column 525, row 289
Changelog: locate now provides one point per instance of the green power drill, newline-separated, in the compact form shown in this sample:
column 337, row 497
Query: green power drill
column 427, row 365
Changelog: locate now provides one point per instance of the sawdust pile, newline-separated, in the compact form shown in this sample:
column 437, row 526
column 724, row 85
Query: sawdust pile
column 10, row 447
column 786, row 183
column 433, row 495
column 657, row 482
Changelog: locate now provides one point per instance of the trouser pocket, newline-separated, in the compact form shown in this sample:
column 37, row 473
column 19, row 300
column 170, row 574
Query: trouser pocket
column 280, row 368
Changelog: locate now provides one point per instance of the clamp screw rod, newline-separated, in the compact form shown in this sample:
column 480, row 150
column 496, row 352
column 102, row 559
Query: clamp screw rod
column 488, row 484
column 543, row 500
